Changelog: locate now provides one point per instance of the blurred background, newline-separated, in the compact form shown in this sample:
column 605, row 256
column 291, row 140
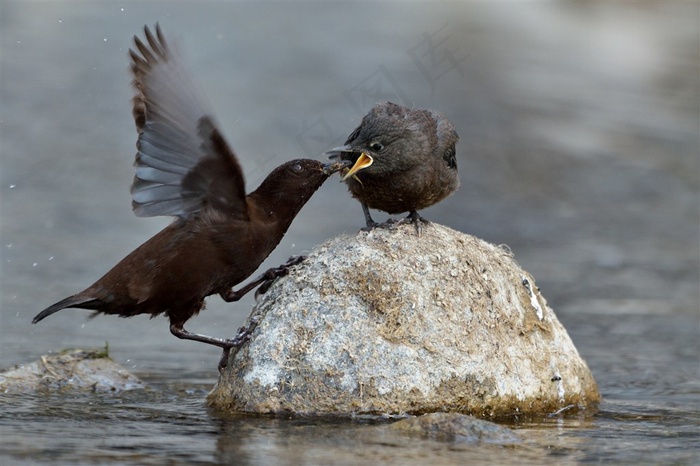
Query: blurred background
column 579, row 150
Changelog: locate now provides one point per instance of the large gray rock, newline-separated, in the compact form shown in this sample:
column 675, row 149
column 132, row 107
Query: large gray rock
column 392, row 322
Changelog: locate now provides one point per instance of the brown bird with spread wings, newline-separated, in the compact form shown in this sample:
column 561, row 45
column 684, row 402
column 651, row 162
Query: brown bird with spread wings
column 185, row 168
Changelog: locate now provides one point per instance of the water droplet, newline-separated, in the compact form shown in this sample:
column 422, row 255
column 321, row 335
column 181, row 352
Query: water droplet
column 13, row 186
column 104, row 39
column 51, row 258
column 34, row 264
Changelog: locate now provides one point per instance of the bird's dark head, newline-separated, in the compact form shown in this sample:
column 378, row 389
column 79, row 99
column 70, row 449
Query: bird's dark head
column 290, row 185
column 295, row 176
column 393, row 138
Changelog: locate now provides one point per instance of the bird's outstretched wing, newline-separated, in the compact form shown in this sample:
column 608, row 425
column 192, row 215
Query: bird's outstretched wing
column 183, row 164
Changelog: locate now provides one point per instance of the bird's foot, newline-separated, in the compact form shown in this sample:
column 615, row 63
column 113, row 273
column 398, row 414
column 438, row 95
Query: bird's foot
column 371, row 225
column 416, row 219
column 273, row 274
column 223, row 362
column 389, row 224
column 237, row 342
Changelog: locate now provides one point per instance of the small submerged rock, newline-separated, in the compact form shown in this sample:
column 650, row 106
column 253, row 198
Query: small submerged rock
column 457, row 428
column 70, row 369
column 391, row 322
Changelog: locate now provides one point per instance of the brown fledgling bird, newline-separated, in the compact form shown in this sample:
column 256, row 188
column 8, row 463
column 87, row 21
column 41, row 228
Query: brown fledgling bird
column 185, row 168
column 404, row 160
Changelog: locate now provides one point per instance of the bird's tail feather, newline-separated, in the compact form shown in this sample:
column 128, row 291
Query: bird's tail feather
column 71, row 301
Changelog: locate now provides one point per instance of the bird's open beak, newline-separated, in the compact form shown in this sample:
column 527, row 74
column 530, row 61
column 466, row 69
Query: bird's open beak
column 362, row 162
column 333, row 167
column 336, row 152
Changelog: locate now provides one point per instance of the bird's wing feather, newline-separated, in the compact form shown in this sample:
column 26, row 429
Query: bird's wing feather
column 447, row 138
column 183, row 164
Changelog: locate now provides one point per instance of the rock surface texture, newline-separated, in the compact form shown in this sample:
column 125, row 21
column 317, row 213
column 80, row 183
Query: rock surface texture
column 391, row 322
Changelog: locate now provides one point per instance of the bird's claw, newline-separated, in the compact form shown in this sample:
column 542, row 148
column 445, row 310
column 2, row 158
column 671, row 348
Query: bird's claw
column 416, row 219
column 371, row 226
column 273, row 274
column 223, row 362
column 242, row 336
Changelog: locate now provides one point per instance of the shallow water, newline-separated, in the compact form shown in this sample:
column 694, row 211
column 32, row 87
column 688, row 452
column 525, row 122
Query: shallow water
column 579, row 149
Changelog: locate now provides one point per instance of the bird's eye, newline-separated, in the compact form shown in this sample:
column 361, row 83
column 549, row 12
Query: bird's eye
column 297, row 168
column 376, row 146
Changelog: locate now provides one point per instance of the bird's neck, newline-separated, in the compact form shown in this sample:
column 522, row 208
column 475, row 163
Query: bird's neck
column 277, row 212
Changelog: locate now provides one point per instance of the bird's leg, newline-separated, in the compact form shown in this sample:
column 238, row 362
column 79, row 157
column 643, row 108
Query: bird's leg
column 368, row 219
column 241, row 337
column 234, row 295
column 180, row 332
column 264, row 281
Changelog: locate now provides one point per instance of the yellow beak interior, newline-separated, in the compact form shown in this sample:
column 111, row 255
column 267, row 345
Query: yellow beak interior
column 363, row 161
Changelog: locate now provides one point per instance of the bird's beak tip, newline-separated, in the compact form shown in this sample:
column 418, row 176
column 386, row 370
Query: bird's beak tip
column 362, row 162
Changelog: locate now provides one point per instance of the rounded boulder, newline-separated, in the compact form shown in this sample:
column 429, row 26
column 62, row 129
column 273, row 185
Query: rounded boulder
column 394, row 322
